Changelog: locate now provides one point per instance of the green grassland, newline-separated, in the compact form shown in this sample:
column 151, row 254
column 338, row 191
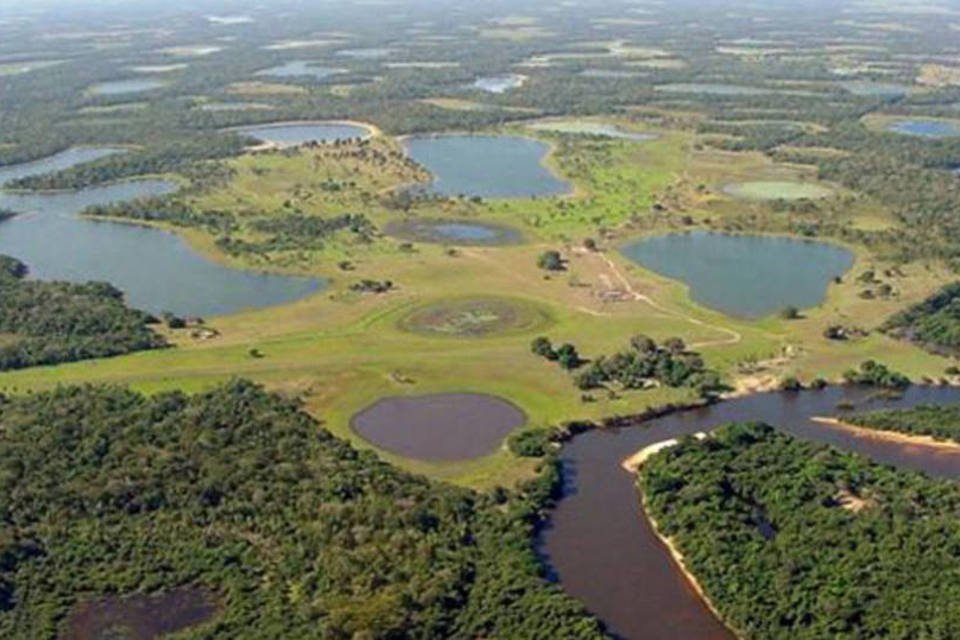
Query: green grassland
column 342, row 350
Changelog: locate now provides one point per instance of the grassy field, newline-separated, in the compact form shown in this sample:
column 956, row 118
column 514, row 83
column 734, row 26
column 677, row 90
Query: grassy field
column 341, row 350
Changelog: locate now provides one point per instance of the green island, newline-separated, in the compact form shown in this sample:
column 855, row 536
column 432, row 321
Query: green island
column 941, row 422
column 791, row 538
column 229, row 231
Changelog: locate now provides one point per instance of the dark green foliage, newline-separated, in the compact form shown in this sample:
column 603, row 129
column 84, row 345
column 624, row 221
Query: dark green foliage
column 791, row 383
column 533, row 443
column 790, row 313
column 569, row 357
column 933, row 323
column 941, row 422
column 646, row 364
column 239, row 491
column 859, row 550
column 164, row 158
column 551, row 261
column 372, row 286
column 874, row 374
column 171, row 210
column 542, row 347
column 53, row 322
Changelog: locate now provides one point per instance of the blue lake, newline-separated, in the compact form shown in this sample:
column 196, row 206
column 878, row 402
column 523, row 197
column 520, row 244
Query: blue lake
column 156, row 270
column 300, row 69
column 122, row 87
column 744, row 276
column 292, row 134
column 57, row 162
column 486, row 166
column 926, row 128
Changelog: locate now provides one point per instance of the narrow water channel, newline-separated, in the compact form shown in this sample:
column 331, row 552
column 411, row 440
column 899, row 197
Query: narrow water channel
column 601, row 549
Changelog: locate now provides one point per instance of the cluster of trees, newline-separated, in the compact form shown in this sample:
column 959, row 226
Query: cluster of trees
column 939, row 421
column 289, row 232
column 933, row 323
column 240, row 493
column 566, row 355
column 551, row 261
column 162, row 158
column 372, row 286
column 875, row 374
column 647, row 364
column 171, row 210
column 791, row 539
column 45, row 323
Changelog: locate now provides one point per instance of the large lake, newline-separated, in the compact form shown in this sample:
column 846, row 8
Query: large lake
column 300, row 69
column 292, row 134
column 156, row 270
column 601, row 548
column 122, row 87
column 744, row 276
column 486, row 166
column 57, row 162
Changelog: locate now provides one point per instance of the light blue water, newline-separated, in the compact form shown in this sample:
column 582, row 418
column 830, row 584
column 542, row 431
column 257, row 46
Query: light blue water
column 156, row 270
column 486, row 166
column 299, row 69
column 499, row 84
column 926, row 128
column 294, row 134
column 460, row 231
column 120, row 87
column 57, row 162
column 744, row 276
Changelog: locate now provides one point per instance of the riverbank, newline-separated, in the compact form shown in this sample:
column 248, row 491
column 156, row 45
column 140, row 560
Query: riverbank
column 632, row 465
column 889, row 436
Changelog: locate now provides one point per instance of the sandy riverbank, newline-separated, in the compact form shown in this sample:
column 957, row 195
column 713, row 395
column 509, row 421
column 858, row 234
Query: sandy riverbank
column 890, row 436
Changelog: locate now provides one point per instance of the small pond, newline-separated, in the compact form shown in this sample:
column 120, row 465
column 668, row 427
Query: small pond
column 486, row 166
column 926, row 128
column 744, row 276
column 578, row 127
column 156, row 269
column 292, row 134
column 300, row 69
column 140, row 616
column 439, row 427
column 501, row 83
column 122, row 87
column 369, row 53
column 57, row 162
column 456, row 232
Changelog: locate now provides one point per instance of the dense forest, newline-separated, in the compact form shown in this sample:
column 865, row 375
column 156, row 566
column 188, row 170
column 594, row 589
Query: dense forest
column 298, row 534
column 938, row 421
column 933, row 323
column 51, row 322
column 796, row 540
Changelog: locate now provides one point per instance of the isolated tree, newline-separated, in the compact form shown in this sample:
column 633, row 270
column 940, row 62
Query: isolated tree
column 550, row 261
column 542, row 347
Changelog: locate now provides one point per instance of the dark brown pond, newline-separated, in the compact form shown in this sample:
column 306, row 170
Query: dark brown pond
column 140, row 616
column 447, row 426
column 601, row 549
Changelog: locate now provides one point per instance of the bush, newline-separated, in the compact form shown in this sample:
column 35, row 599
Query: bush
column 533, row 443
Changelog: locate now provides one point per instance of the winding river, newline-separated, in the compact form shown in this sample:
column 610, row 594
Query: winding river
column 601, row 549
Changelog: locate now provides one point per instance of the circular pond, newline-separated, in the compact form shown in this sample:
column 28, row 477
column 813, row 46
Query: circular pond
column 475, row 317
column 439, row 427
column 776, row 190
column 460, row 232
